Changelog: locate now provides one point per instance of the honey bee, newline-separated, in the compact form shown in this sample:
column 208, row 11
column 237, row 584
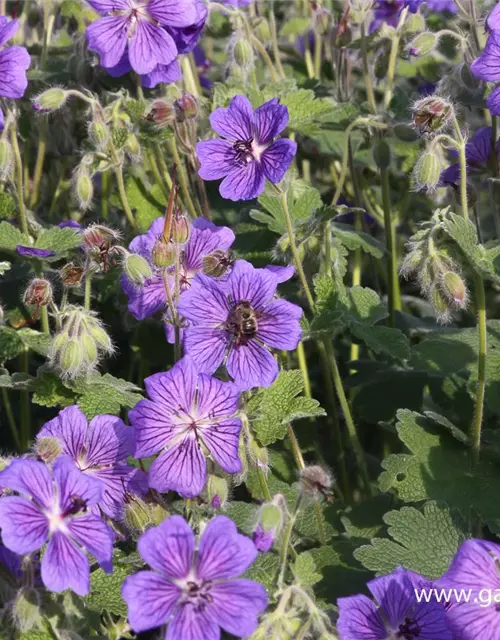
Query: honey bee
column 242, row 322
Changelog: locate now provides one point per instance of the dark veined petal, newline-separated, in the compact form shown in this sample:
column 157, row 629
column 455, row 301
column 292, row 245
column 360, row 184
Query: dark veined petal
column 359, row 619
column 150, row 599
column 14, row 61
column 65, row 566
column 222, row 439
column 93, row 535
column 173, row 13
column 108, row 441
column 246, row 283
column 270, row 120
column 237, row 605
column 191, row 623
column 243, row 183
column 279, row 325
column 150, row 46
column 169, row 547
column 109, row 38
column 73, row 483
column 487, row 66
column 234, row 122
column 217, row 157
column 182, row 468
column 30, row 478
column 70, row 428
column 251, row 365
column 24, row 527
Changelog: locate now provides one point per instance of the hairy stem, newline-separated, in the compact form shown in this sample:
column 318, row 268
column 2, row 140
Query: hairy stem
column 394, row 295
column 10, row 418
column 19, row 182
column 181, row 174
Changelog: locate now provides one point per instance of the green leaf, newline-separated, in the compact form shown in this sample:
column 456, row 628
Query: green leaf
column 306, row 110
column 243, row 515
column 60, row 240
column 464, row 233
column 364, row 521
column 438, row 468
column 11, row 344
column 264, row 570
column 8, row 206
column 10, row 237
column 104, row 394
column 273, row 408
column 302, row 200
column 35, row 340
column 383, row 340
column 147, row 202
column 422, row 541
column 304, row 570
column 50, row 391
column 295, row 27
column 364, row 305
column 4, row 267
column 354, row 239
column 105, row 589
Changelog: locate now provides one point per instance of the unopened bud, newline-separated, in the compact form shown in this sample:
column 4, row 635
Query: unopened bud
column 440, row 304
column 315, row 482
column 140, row 515
column 262, row 30
column 26, row 610
column 163, row 254
column 322, row 21
column 217, row 491
column 99, row 134
column 50, row 100
column 38, row 293
column 162, row 113
column 71, row 275
column 382, row 155
column 84, row 188
column 133, row 146
column 72, row 357
column 217, row 263
column 427, row 171
column 414, row 23
column 186, row 107
column 431, row 114
column 181, row 228
column 6, row 158
column 454, row 287
column 243, row 53
column 48, row 449
column 269, row 525
column 423, row 44
column 97, row 236
column 137, row 269
column 101, row 338
column 89, row 348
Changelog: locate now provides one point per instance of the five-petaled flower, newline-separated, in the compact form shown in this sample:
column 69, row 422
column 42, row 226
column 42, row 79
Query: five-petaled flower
column 396, row 614
column 99, row 449
column 487, row 67
column 14, row 61
column 185, row 414
column 478, row 152
column 196, row 591
column 134, row 34
column 475, row 569
column 239, row 318
column 248, row 153
column 53, row 508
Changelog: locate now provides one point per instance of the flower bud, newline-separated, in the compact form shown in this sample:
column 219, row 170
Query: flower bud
column 181, row 228
column 427, row 171
column 162, row 113
column 48, row 449
column 84, row 188
column 163, row 254
column 71, row 275
column 50, row 100
column 269, row 525
column 322, row 21
column 423, row 44
column 6, row 158
column 454, row 287
column 262, row 30
column 72, row 358
column 137, row 269
column 217, row 263
column 186, row 107
column 97, row 235
column 315, row 482
column 440, row 305
column 99, row 134
column 431, row 114
column 140, row 515
column 243, row 53
column 101, row 338
column 38, row 293
column 26, row 610
column 414, row 23
column 217, row 491
column 133, row 146
column 260, row 454
column 382, row 155
column 89, row 348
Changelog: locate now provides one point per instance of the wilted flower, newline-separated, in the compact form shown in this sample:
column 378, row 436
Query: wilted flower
column 14, row 61
column 52, row 508
column 241, row 318
column 247, row 153
column 396, row 612
column 431, row 114
column 38, row 293
column 100, row 449
column 315, row 482
column 185, row 416
column 195, row 591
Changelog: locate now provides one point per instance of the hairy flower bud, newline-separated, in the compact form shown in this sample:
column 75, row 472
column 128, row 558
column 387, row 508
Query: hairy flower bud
column 97, row 236
column 217, row 491
column 427, row 171
column 181, row 227
column 140, row 515
column 455, row 288
column 47, row 449
column 163, row 254
column 315, row 482
column 71, row 358
column 137, row 269
column 414, row 23
column 71, row 275
column 161, row 112
column 269, row 524
column 38, row 293
column 26, row 610
column 431, row 114
column 133, row 146
column 423, row 44
column 50, row 100
column 6, row 158
column 243, row 53
column 217, row 263
column 99, row 134
column 262, row 30
column 186, row 107
column 84, row 187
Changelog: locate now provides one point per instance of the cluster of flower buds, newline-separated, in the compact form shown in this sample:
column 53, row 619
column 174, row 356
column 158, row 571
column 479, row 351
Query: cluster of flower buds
column 77, row 347
column 100, row 246
column 269, row 523
column 431, row 115
column 164, row 113
column 430, row 262
column 141, row 514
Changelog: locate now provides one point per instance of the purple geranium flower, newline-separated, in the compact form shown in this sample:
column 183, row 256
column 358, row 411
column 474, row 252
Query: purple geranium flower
column 246, row 155
column 204, row 239
column 442, row 5
column 186, row 412
column 139, row 28
column 474, row 568
column 33, row 252
column 487, row 67
column 493, row 19
column 262, row 539
column 53, row 508
column 389, row 11
column 477, row 152
column 99, row 449
column 72, row 224
column 186, row 38
column 240, row 318
column 14, row 61
column 397, row 613
column 195, row 590
column 166, row 73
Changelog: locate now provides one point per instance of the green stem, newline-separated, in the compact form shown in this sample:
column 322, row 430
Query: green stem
column 11, row 419
column 394, row 295
column 123, row 196
column 265, row 56
column 19, row 180
column 88, row 291
column 25, row 408
column 156, row 172
column 189, row 80
column 45, row 320
column 393, row 58
column 318, row 50
column 370, row 95
column 105, row 195
column 287, row 542
column 301, row 356
column 274, row 40
column 181, row 174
